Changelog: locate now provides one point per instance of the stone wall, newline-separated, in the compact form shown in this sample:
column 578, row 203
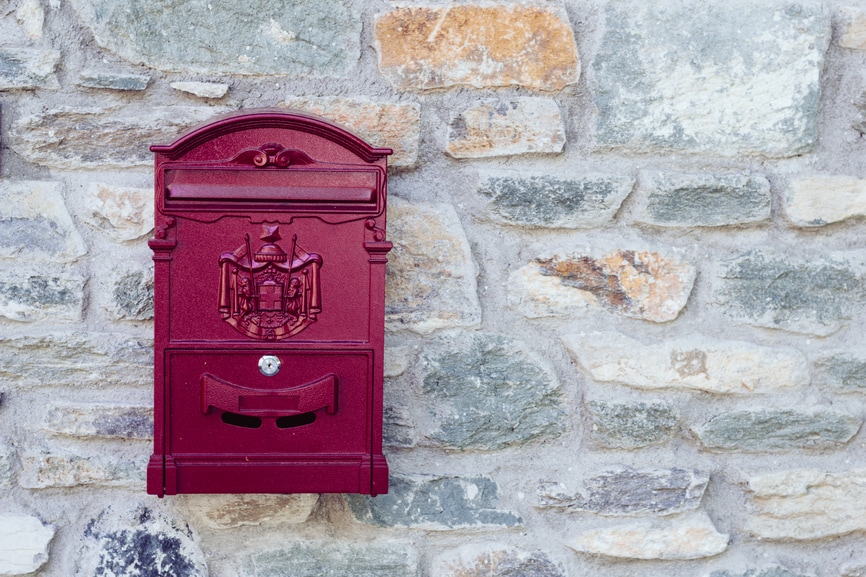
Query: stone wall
column 625, row 317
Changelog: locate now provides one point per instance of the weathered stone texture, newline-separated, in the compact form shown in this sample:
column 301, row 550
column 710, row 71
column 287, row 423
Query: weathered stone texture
column 778, row 429
column 493, row 561
column 632, row 425
column 202, row 89
column 308, row 37
column 43, row 470
column 391, row 125
column 487, row 392
column 631, row 492
column 133, row 296
column 689, row 537
column 431, row 275
column 544, row 200
column 843, row 372
column 110, row 81
column 674, row 199
column 99, row 138
column 524, row 125
column 434, row 503
column 123, row 213
column 100, row 420
column 814, row 296
column 28, row 68
column 763, row 572
column 333, row 559
column 232, row 511
column 819, row 200
column 731, row 78
column 807, row 504
column 24, row 542
column 637, row 284
column 854, row 36
column 35, row 295
column 31, row 17
column 481, row 46
column 695, row 362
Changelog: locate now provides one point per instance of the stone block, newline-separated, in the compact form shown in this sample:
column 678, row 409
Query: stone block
column 45, row 470
column 804, row 504
column 123, row 213
column 778, row 429
column 775, row 571
column 431, row 274
column 686, row 200
column 690, row 362
column 843, row 372
column 554, row 201
column 627, row 491
column 820, row 200
column 734, row 78
column 692, row 536
column 434, row 503
column 31, row 17
column 333, row 558
column 632, row 425
column 101, row 420
column 28, row 68
column 233, row 511
column 133, row 296
column 386, row 124
column 488, row 392
column 305, row 37
column 423, row 47
column 854, row 36
column 41, row 294
column 493, row 560
column 202, row 89
column 24, row 543
column 523, row 125
column 114, row 81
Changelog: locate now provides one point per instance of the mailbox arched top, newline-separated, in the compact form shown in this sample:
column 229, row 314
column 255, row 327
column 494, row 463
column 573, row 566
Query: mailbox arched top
column 270, row 118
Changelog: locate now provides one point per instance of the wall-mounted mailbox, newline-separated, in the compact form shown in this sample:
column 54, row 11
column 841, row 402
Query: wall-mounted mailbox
column 270, row 252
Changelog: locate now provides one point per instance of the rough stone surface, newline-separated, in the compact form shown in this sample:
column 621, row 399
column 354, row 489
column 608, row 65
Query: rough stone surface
column 333, row 559
column 42, row 470
column 632, row 425
column 8, row 462
column 545, row 200
column 78, row 360
column 434, row 503
column 431, row 275
column 398, row 416
column 202, row 89
column 488, row 392
column 675, row 199
column 123, row 213
column 123, row 82
column 92, row 420
column 733, row 78
column 844, row 372
column 24, row 542
column 820, row 200
column 35, row 295
column 854, row 36
column 133, row 296
column 99, row 138
column 807, row 504
column 814, row 296
column 493, row 560
column 778, row 429
column 689, row 537
column 763, row 572
column 31, row 16
column 232, row 511
column 308, row 37
column 694, row 362
column 629, row 491
column 35, row 225
column 385, row 124
column 434, row 47
column 523, row 125
column 28, row 68
column 139, row 542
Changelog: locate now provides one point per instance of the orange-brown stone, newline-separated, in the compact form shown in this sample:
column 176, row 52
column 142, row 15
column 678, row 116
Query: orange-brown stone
column 480, row 46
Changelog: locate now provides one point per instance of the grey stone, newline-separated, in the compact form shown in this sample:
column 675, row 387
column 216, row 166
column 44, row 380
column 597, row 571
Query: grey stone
column 434, row 503
column 306, row 37
column 763, row 572
column 550, row 201
column 125, row 82
column 398, row 427
column 34, row 295
column 24, row 542
column 486, row 391
column 814, row 296
column 631, row 492
column 28, row 68
column 133, row 296
column 778, row 429
column 481, row 560
column 333, row 559
column 842, row 371
column 728, row 78
column 110, row 421
column 44, row 469
column 704, row 199
column 632, row 425
column 140, row 542
column 202, row 89
column 114, row 137
column 8, row 458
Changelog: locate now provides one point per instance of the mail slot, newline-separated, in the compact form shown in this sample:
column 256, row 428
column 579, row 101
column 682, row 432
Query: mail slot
column 269, row 254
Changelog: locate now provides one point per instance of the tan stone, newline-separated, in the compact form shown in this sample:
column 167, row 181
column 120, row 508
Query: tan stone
column 202, row 89
column 854, row 36
column 481, row 46
column 231, row 511
column 123, row 212
column 807, row 504
column 507, row 128
column 396, row 126
column 820, row 200
column 45, row 470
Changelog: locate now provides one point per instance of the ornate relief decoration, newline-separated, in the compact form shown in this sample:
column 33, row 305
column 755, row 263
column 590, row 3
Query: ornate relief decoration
column 270, row 294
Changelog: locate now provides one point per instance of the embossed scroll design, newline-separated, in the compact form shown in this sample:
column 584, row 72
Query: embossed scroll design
column 270, row 294
column 272, row 155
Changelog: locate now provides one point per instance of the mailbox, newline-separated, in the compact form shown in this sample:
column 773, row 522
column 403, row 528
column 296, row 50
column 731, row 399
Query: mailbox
column 269, row 249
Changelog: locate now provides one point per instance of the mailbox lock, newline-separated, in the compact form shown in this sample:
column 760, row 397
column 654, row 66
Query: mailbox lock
column 269, row 365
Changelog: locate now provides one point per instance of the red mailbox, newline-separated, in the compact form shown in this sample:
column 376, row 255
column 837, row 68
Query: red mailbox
column 270, row 252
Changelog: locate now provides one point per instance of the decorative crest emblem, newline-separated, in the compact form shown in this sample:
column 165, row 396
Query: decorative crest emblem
column 270, row 294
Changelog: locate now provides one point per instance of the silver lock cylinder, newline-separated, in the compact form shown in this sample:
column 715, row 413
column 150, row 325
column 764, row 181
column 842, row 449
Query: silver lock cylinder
column 269, row 365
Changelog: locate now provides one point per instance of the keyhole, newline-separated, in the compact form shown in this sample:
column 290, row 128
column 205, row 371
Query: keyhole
column 269, row 365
